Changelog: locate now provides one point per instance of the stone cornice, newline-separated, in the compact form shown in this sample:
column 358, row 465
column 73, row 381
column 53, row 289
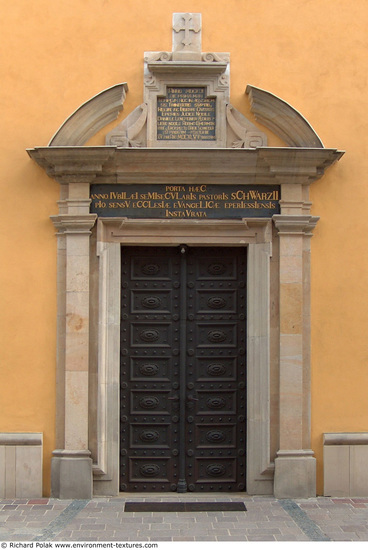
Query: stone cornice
column 346, row 438
column 71, row 164
column 190, row 67
column 74, row 224
column 254, row 230
column 21, row 438
column 295, row 225
column 298, row 165
column 263, row 165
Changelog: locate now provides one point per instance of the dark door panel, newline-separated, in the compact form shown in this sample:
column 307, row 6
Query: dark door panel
column 149, row 369
column 201, row 330
column 216, row 369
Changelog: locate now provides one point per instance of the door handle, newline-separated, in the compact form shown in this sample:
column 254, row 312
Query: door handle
column 189, row 398
column 192, row 398
column 174, row 398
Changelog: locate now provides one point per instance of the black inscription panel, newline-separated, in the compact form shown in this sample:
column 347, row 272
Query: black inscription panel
column 186, row 114
column 185, row 201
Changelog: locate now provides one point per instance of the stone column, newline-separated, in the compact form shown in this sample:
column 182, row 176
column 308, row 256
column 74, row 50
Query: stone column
column 295, row 465
column 71, row 470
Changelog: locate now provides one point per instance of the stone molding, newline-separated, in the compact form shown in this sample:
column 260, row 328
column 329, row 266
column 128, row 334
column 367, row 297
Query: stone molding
column 295, row 453
column 21, row 438
column 345, row 438
column 74, row 224
column 260, row 467
column 108, row 419
column 71, row 165
column 295, row 225
column 263, row 165
column 172, row 232
column 90, row 117
column 71, row 453
column 280, row 117
column 256, row 234
column 211, row 63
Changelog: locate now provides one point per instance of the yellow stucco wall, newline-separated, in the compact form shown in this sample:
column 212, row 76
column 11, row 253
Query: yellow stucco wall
column 57, row 54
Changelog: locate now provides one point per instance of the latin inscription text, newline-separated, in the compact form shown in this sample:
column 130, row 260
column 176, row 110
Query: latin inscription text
column 185, row 201
column 186, row 114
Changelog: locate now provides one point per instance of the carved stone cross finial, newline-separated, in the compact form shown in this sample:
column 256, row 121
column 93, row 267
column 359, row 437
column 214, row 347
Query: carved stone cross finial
column 187, row 39
column 189, row 25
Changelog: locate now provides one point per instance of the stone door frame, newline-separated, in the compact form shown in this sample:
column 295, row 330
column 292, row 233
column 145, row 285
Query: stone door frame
column 292, row 472
column 254, row 234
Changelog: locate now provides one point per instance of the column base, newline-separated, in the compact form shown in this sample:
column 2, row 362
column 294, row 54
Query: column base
column 295, row 474
column 71, row 474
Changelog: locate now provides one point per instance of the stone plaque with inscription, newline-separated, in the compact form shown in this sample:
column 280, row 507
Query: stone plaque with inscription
column 186, row 100
column 185, row 201
column 186, row 114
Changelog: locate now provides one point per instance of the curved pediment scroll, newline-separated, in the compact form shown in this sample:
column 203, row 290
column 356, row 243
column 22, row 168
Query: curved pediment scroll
column 241, row 133
column 91, row 117
column 131, row 132
column 282, row 119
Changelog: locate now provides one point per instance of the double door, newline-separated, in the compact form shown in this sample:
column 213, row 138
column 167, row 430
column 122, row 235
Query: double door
column 183, row 369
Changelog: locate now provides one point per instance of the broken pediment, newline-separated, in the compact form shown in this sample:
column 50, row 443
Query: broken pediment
column 186, row 104
column 186, row 99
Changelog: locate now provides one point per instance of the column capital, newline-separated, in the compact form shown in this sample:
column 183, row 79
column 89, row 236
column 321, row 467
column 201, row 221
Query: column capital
column 74, row 224
column 295, row 225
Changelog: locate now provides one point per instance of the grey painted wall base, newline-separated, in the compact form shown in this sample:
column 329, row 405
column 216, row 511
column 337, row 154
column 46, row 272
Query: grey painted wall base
column 71, row 474
column 295, row 475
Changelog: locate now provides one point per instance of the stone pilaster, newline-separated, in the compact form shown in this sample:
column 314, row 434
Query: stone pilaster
column 295, row 467
column 72, row 464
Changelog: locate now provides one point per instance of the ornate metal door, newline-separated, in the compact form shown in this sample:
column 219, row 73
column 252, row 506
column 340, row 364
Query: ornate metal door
column 183, row 397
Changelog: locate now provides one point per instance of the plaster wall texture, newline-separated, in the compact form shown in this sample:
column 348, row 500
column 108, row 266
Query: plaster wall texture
column 59, row 54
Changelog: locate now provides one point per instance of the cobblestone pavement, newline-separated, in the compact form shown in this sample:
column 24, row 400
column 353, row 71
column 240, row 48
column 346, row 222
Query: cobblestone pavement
column 104, row 519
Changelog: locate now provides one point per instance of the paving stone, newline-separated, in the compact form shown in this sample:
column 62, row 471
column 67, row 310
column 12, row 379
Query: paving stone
column 234, row 538
column 183, row 520
column 266, row 531
column 219, row 532
column 105, row 519
column 354, row 528
column 245, row 524
column 123, row 534
column 133, row 521
column 289, row 538
column 153, row 520
column 96, row 527
column 255, row 538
